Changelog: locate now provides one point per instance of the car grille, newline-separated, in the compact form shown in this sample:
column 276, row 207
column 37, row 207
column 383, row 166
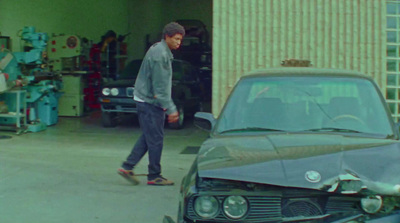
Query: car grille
column 342, row 204
column 300, row 207
column 261, row 209
column 129, row 91
column 282, row 209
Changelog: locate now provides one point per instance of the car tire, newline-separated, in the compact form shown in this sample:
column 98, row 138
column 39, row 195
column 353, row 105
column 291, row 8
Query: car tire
column 108, row 119
column 180, row 123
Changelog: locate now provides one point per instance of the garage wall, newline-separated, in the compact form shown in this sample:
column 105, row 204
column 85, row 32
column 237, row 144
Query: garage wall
column 88, row 18
column 189, row 9
column 93, row 18
column 149, row 17
column 257, row 34
column 145, row 17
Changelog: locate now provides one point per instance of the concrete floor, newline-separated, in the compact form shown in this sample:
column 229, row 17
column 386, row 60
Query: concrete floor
column 67, row 173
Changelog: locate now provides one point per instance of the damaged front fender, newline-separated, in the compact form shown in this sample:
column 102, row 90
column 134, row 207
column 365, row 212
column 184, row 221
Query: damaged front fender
column 350, row 183
column 386, row 195
column 392, row 218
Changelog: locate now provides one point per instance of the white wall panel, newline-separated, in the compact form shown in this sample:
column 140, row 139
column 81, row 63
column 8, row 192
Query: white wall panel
column 253, row 34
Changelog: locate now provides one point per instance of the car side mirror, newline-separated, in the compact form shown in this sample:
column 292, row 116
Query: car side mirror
column 204, row 120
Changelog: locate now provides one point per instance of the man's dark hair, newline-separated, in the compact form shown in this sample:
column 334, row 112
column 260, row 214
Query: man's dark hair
column 173, row 28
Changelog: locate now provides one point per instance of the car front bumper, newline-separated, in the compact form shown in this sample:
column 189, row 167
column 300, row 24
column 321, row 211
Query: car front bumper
column 395, row 217
column 110, row 104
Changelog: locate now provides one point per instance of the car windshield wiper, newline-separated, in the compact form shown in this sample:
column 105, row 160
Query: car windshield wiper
column 252, row 129
column 331, row 129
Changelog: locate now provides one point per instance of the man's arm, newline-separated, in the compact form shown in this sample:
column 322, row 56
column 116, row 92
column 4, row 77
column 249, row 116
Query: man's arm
column 162, row 83
column 174, row 117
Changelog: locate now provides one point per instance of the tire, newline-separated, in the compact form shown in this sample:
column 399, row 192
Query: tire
column 108, row 119
column 180, row 123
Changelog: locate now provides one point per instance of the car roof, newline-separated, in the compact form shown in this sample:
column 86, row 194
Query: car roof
column 304, row 71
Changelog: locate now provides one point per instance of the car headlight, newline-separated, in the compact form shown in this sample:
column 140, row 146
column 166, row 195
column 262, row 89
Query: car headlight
column 206, row 206
column 371, row 204
column 235, row 206
column 114, row 91
column 106, row 91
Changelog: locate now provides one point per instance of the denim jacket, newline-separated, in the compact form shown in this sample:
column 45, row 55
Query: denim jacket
column 154, row 81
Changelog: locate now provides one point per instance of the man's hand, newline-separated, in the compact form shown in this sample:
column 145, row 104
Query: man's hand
column 174, row 117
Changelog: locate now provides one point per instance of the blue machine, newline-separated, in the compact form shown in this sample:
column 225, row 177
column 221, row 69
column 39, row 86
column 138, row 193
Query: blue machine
column 29, row 71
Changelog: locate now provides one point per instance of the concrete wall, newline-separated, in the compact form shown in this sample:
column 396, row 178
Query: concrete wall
column 88, row 18
column 255, row 34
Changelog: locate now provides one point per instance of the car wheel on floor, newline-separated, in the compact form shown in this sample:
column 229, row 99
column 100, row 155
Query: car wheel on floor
column 180, row 122
column 108, row 119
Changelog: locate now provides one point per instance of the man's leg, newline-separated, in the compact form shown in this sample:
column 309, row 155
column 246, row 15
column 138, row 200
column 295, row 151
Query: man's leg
column 140, row 148
column 136, row 154
column 154, row 139
column 154, row 135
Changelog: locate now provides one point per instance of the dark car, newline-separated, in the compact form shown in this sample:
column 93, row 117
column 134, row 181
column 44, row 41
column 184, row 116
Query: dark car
column 117, row 96
column 196, row 49
column 296, row 145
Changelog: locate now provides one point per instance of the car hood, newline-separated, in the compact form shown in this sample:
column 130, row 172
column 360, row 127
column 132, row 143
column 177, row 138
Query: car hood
column 120, row 83
column 314, row 161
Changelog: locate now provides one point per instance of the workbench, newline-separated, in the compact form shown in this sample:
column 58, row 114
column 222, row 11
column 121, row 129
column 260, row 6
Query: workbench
column 17, row 111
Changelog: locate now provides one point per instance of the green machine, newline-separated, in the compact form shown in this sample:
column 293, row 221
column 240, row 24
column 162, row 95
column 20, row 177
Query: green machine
column 28, row 72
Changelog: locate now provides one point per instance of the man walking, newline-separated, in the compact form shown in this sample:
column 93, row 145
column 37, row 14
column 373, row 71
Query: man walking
column 153, row 99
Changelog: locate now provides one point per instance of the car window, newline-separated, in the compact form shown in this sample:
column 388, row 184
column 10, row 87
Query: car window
column 306, row 103
column 190, row 41
column 189, row 75
column 196, row 32
column 177, row 70
column 131, row 70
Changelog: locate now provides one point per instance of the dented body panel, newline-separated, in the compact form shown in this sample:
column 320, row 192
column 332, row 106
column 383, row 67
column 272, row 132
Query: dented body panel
column 285, row 159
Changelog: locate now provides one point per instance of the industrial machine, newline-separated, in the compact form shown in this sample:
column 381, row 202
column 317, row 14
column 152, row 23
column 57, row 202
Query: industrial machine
column 32, row 88
column 75, row 58
column 84, row 66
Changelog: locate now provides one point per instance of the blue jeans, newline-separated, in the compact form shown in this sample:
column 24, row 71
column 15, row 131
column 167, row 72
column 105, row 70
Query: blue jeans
column 151, row 121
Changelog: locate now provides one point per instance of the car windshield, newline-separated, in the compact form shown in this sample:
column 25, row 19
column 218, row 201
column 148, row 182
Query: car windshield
column 305, row 104
column 196, row 32
column 131, row 70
